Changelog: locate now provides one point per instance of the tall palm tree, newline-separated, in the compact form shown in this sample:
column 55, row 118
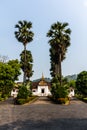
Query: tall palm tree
column 59, row 41
column 24, row 35
column 29, row 63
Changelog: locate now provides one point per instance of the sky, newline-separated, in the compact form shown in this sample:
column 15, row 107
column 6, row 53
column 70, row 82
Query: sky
column 42, row 14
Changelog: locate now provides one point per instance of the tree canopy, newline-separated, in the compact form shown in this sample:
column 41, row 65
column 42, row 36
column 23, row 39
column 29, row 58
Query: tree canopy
column 9, row 72
column 15, row 64
column 81, row 83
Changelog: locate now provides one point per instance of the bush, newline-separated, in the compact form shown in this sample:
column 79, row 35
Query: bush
column 57, row 90
column 23, row 93
column 5, row 96
column 23, row 101
column 62, row 100
column 85, row 99
column 20, row 101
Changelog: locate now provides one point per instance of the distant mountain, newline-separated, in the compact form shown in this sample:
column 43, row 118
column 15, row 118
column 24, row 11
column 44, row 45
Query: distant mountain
column 71, row 77
column 46, row 79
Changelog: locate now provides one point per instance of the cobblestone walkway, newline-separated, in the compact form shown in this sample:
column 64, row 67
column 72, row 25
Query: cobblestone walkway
column 43, row 115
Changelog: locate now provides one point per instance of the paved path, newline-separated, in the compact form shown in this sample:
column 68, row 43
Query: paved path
column 43, row 100
column 43, row 116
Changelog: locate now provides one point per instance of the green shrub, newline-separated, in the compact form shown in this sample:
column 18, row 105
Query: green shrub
column 23, row 101
column 23, row 93
column 20, row 101
column 57, row 90
column 62, row 100
column 5, row 96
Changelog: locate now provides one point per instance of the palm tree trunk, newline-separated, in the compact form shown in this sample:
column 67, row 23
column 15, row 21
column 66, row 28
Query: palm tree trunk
column 57, row 69
column 60, row 69
column 24, row 80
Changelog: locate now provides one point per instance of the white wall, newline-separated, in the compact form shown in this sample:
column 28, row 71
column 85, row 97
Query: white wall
column 38, row 91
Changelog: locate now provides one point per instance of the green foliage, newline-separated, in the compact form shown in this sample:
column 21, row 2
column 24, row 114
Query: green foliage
column 57, row 90
column 6, row 78
column 24, row 34
column 23, row 93
column 27, row 66
column 72, row 83
column 23, row 101
column 81, row 83
column 16, row 66
column 9, row 72
column 59, row 41
column 63, row 100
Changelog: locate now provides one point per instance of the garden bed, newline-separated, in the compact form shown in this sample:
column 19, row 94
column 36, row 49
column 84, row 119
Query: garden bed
column 25, row 101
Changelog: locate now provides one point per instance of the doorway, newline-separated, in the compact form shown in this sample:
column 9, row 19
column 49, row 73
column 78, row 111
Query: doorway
column 42, row 90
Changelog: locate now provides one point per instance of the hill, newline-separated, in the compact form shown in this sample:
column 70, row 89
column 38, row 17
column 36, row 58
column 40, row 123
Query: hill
column 71, row 77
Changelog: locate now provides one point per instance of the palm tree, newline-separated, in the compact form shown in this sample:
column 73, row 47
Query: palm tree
column 29, row 63
column 59, row 41
column 24, row 35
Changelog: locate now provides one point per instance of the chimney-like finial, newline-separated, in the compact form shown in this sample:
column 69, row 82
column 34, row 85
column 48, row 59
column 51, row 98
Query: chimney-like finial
column 42, row 76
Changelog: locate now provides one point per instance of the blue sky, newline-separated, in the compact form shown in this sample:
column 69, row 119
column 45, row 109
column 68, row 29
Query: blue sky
column 42, row 14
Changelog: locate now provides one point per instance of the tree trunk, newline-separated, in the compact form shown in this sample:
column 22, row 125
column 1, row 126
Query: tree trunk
column 24, row 80
column 57, row 69
column 60, row 69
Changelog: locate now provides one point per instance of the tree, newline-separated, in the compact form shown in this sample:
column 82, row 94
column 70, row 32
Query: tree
column 9, row 72
column 81, row 83
column 6, row 78
column 59, row 41
column 29, row 65
column 24, row 35
column 15, row 64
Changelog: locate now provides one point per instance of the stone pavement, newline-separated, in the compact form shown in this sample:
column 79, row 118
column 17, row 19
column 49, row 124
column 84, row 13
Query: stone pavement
column 43, row 115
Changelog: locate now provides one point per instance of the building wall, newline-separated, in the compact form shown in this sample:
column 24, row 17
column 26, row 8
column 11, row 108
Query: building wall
column 41, row 91
column 14, row 92
column 71, row 93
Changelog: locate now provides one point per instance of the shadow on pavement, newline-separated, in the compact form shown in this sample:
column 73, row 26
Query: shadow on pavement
column 7, row 101
column 56, row 124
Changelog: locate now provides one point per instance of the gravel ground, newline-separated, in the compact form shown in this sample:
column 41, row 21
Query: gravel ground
column 43, row 115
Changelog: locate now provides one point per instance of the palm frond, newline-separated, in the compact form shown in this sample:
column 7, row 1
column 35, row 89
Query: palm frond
column 17, row 26
column 20, row 22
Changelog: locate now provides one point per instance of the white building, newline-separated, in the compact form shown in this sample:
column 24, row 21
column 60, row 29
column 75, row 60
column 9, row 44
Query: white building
column 41, row 88
column 14, row 92
column 71, row 92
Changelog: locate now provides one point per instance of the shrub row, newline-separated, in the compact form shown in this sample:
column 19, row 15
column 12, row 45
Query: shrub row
column 23, row 101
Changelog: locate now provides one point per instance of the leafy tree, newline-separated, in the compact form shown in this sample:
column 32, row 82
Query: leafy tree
column 29, row 65
column 24, row 35
column 9, row 72
column 81, row 83
column 72, row 83
column 6, row 78
column 16, row 66
column 59, row 41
